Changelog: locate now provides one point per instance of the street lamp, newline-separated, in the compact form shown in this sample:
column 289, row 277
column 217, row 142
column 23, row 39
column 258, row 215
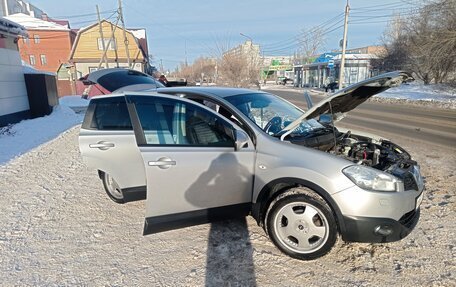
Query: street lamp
column 250, row 38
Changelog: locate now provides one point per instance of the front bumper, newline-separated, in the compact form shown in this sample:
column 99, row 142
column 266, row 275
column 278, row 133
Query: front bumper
column 379, row 230
column 377, row 217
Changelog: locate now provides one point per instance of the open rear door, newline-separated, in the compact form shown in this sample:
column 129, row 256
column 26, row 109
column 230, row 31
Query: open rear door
column 120, row 79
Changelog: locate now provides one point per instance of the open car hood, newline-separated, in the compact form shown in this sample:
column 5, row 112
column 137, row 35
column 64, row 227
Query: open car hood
column 120, row 79
column 351, row 97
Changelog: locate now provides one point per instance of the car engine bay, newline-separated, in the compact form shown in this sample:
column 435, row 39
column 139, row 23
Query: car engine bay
column 382, row 155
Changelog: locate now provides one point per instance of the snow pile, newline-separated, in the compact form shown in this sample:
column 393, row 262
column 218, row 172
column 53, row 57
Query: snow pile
column 416, row 92
column 76, row 103
column 19, row 138
column 421, row 92
column 73, row 101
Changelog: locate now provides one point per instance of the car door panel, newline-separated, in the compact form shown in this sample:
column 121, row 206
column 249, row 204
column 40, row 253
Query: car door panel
column 188, row 184
column 119, row 154
column 197, row 183
column 173, row 221
column 108, row 143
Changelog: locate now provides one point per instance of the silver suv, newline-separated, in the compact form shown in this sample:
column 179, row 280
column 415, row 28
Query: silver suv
column 204, row 154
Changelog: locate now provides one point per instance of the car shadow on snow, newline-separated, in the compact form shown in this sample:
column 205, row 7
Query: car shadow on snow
column 230, row 255
column 229, row 250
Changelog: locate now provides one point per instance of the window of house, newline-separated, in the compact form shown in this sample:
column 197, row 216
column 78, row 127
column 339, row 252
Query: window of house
column 43, row 60
column 25, row 40
column 36, row 38
column 112, row 44
column 32, row 60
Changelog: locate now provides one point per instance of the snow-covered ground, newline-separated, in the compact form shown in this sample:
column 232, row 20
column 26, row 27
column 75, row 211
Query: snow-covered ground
column 416, row 91
column 19, row 138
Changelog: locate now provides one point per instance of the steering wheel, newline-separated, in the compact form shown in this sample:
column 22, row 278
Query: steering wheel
column 274, row 125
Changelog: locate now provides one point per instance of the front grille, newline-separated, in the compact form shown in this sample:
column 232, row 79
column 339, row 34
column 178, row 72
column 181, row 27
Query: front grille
column 408, row 219
column 410, row 182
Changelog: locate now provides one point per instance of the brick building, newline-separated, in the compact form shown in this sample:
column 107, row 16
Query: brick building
column 48, row 45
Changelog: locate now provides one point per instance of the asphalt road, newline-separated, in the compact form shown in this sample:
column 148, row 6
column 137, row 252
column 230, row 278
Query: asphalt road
column 427, row 125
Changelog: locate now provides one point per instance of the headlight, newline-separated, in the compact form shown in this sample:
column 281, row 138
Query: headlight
column 372, row 179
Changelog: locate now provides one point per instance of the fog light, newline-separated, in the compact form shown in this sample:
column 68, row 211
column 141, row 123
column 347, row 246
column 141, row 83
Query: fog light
column 383, row 230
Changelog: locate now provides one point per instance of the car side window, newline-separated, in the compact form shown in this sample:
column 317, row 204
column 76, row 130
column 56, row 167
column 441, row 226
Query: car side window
column 111, row 114
column 173, row 122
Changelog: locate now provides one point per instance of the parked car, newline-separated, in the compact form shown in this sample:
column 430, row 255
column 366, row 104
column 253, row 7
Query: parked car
column 113, row 80
column 284, row 81
column 203, row 154
column 332, row 86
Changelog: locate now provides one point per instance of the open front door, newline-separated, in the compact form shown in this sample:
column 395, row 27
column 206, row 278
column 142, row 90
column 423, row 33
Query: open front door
column 194, row 174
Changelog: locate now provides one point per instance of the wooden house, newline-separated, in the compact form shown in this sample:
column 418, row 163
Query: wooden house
column 87, row 52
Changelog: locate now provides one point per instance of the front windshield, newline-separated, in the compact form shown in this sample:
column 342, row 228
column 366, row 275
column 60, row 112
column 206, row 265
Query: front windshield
column 271, row 113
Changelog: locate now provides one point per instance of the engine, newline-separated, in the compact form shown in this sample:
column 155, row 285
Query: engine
column 380, row 155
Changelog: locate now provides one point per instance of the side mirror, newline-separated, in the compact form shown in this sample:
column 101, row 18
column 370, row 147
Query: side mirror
column 241, row 140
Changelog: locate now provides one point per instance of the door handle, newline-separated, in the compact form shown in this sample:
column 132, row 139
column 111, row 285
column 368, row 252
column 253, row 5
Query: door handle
column 163, row 163
column 102, row 145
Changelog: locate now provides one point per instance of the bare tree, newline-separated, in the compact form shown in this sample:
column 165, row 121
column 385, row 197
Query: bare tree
column 311, row 41
column 240, row 66
column 395, row 40
column 237, row 69
column 424, row 43
column 201, row 70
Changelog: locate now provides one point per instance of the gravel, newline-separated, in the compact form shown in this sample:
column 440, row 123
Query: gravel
column 58, row 228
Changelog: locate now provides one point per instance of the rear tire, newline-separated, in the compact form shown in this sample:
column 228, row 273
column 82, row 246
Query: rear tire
column 301, row 224
column 112, row 188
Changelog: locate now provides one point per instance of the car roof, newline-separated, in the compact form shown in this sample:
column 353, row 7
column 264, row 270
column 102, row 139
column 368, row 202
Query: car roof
column 221, row 92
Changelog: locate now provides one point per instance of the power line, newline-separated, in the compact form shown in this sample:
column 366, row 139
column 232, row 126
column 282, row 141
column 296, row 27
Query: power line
column 307, row 34
column 367, row 19
column 286, row 49
column 83, row 15
column 299, row 36
column 380, row 6
column 303, row 37
column 94, row 20
column 172, row 30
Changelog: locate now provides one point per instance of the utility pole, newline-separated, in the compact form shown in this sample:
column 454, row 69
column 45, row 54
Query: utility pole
column 161, row 66
column 202, row 74
column 113, row 31
column 344, row 46
column 102, row 38
column 186, row 63
column 124, row 33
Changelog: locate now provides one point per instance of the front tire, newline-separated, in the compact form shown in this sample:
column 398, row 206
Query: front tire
column 112, row 188
column 301, row 224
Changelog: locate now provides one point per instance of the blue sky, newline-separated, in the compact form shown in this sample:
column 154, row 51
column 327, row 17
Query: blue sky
column 195, row 28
